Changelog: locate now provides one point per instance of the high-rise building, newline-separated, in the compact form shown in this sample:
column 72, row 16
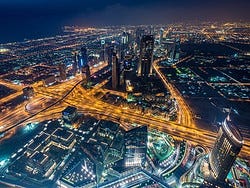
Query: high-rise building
column 177, row 50
column 146, row 56
column 82, row 58
column 83, row 64
column 86, row 73
column 74, row 64
column 123, row 45
column 124, row 38
column 151, row 30
column 169, row 45
column 227, row 146
column 103, row 51
column 110, row 51
column 161, row 35
column 115, row 71
column 62, row 71
column 139, row 33
column 136, row 146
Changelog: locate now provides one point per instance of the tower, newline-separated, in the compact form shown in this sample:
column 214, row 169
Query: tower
column 177, row 50
column 161, row 35
column 83, row 64
column 82, row 58
column 227, row 146
column 74, row 64
column 146, row 56
column 139, row 33
column 86, row 73
column 62, row 71
column 103, row 51
column 110, row 51
column 115, row 71
column 123, row 45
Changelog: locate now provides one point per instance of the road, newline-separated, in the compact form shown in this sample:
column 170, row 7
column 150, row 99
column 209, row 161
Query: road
column 185, row 116
column 71, row 93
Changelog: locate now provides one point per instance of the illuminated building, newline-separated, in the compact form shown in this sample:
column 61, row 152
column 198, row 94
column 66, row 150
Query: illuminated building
column 136, row 146
column 173, row 49
column 83, row 64
column 161, row 35
column 146, row 56
column 28, row 92
column 62, row 71
column 228, row 144
column 170, row 47
column 102, row 54
column 124, row 38
column 115, row 72
column 82, row 58
column 43, row 155
column 124, row 45
column 139, row 33
column 129, row 87
column 69, row 114
column 41, row 163
column 74, row 64
column 110, row 51
column 86, row 73
column 177, row 50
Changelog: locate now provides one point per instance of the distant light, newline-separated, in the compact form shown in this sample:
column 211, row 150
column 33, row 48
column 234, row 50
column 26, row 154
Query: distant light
column 102, row 42
column 4, row 50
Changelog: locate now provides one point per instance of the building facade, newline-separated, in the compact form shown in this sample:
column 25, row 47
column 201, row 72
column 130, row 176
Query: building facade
column 146, row 56
column 227, row 146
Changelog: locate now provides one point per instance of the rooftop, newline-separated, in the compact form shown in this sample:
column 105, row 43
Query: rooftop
column 69, row 110
column 62, row 133
column 232, row 130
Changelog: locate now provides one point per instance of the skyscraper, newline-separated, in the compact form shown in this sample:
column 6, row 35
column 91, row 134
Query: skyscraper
column 228, row 144
column 161, row 35
column 62, row 71
column 139, row 33
column 86, row 73
column 136, row 146
column 124, row 38
column 74, row 64
column 110, row 51
column 177, row 50
column 123, row 45
column 146, row 56
column 83, row 64
column 103, row 51
column 82, row 58
column 115, row 71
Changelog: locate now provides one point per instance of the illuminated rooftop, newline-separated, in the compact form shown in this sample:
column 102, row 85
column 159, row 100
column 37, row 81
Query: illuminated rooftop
column 232, row 131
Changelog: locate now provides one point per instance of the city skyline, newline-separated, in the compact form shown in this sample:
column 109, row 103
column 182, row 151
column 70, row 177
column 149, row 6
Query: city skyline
column 135, row 93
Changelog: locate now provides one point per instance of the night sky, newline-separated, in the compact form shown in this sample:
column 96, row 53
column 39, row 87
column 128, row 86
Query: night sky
column 21, row 19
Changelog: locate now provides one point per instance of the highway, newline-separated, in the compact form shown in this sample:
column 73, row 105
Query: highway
column 185, row 116
column 72, row 93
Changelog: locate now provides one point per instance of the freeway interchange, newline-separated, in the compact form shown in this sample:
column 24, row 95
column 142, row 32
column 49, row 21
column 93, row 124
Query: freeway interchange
column 71, row 93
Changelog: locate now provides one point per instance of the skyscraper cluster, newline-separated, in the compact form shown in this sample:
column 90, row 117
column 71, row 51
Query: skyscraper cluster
column 80, row 63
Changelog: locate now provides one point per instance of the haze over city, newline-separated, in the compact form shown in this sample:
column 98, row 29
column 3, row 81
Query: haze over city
column 33, row 19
